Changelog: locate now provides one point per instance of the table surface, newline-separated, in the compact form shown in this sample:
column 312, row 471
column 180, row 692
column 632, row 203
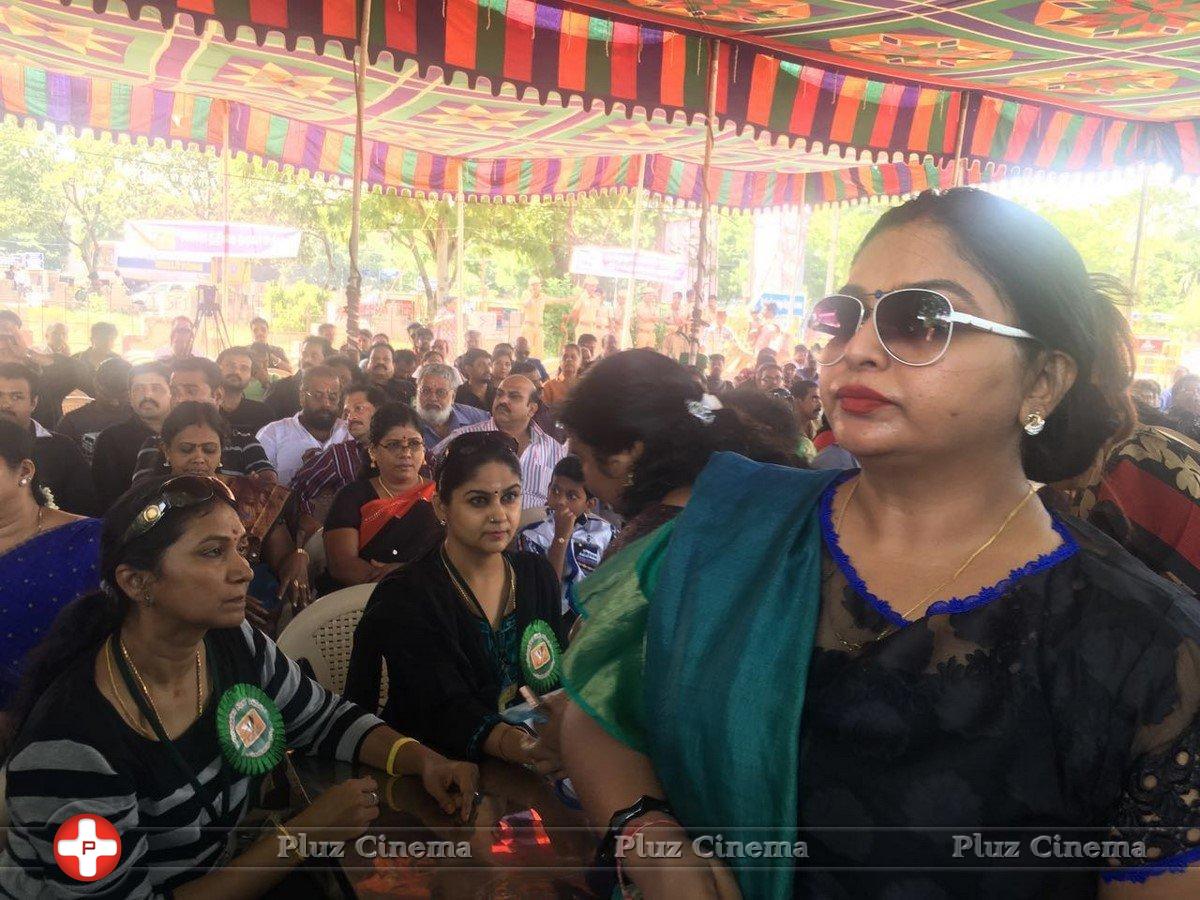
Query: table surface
column 528, row 856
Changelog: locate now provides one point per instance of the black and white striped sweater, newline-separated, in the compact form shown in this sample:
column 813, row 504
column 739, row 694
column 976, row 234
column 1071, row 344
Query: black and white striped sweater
column 76, row 755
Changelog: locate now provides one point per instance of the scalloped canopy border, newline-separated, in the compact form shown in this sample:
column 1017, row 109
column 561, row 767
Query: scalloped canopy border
column 620, row 59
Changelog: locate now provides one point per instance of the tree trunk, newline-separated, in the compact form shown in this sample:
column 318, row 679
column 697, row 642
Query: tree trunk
column 423, row 273
column 330, row 273
column 443, row 252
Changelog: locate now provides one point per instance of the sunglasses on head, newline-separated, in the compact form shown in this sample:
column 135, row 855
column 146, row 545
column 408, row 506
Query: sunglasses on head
column 914, row 325
column 180, row 492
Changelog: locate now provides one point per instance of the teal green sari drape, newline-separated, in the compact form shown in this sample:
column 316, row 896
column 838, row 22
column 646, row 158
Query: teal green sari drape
column 711, row 620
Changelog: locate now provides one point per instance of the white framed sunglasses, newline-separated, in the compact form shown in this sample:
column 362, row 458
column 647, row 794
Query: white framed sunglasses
column 914, row 325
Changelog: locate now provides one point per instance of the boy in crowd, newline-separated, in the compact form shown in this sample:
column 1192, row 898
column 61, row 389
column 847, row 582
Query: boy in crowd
column 572, row 537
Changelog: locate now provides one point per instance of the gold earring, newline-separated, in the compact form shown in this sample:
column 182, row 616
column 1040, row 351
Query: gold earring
column 1034, row 423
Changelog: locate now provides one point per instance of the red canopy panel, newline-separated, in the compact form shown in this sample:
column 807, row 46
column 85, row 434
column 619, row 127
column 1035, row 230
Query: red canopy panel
column 1061, row 86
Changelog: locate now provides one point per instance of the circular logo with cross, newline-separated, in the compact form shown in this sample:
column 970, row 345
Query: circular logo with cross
column 87, row 847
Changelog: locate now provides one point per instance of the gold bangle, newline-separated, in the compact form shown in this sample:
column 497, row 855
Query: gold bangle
column 391, row 757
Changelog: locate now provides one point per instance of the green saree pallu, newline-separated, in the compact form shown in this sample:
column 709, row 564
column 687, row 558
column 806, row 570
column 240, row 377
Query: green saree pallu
column 695, row 651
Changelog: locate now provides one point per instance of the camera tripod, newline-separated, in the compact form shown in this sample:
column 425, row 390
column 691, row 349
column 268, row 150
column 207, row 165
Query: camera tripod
column 209, row 319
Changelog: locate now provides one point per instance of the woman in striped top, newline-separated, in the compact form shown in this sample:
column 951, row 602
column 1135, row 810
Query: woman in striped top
column 116, row 717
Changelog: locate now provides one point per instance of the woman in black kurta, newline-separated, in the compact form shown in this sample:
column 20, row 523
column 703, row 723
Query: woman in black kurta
column 452, row 657
column 445, row 676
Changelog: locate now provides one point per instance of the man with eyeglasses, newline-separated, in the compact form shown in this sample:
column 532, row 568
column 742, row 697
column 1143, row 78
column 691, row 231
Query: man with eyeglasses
column 517, row 401
column 440, row 416
column 290, row 442
column 325, row 473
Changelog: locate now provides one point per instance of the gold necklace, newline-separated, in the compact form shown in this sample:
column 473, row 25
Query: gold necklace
column 146, row 690
column 892, row 628
column 392, row 494
column 112, row 681
column 468, row 596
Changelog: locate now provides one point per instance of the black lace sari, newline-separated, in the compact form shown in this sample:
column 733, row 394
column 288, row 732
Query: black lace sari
column 1055, row 710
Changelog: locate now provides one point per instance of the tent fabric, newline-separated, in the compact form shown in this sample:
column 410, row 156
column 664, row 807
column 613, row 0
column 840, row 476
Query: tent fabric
column 278, row 86
column 877, row 76
column 144, row 112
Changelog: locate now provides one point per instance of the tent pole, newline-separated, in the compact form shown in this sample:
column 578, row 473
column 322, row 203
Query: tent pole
column 1137, row 238
column 224, row 215
column 959, row 169
column 354, row 282
column 639, row 199
column 460, row 334
column 714, row 55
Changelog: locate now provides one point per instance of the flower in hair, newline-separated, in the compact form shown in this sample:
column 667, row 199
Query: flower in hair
column 698, row 409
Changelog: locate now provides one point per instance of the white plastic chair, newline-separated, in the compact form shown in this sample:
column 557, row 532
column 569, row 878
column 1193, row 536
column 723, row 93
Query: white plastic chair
column 323, row 634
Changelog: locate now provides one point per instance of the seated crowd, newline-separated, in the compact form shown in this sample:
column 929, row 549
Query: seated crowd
column 697, row 549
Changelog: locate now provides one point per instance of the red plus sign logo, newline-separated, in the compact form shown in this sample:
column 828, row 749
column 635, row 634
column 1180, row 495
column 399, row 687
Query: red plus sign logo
column 87, row 847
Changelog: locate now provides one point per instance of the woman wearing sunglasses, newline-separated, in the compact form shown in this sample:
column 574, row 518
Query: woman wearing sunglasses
column 930, row 685
column 156, row 706
column 192, row 437
column 383, row 520
column 464, row 627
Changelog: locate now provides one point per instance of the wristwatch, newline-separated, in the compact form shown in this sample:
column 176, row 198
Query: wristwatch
column 606, row 855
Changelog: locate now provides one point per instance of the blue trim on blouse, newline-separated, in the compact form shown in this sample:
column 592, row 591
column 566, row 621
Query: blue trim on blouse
column 1140, row 874
column 1064, row 551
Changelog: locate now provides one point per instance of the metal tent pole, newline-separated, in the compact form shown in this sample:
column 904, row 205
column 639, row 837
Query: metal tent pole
column 714, row 55
column 460, row 334
column 354, row 282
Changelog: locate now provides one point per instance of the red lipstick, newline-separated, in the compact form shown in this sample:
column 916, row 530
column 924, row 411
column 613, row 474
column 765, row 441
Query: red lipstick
column 861, row 401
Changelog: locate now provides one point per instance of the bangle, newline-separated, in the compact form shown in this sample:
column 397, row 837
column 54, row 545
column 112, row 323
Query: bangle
column 391, row 757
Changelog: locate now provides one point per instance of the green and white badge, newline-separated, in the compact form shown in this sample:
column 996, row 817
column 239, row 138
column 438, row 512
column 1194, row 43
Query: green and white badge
column 250, row 729
column 541, row 657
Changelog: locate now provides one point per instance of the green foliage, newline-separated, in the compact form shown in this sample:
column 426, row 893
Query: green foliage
column 554, row 325
column 296, row 306
column 62, row 195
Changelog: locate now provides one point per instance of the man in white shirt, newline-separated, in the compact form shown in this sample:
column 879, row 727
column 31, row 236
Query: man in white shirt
column 516, row 403
column 290, row 442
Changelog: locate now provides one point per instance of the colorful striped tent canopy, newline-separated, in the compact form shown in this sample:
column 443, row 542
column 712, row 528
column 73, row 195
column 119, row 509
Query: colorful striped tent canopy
column 799, row 121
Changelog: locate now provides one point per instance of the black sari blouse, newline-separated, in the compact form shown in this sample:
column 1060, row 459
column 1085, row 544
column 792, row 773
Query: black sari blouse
column 1062, row 704
column 443, row 684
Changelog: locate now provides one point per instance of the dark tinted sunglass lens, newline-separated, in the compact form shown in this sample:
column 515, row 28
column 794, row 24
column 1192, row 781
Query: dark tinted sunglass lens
column 914, row 325
column 187, row 490
column 836, row 319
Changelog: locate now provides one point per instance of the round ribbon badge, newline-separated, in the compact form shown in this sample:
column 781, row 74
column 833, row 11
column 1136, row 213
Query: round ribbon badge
column 249, row 729
column 541, row 658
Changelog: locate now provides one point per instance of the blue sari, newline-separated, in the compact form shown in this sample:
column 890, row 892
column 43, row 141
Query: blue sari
column 37, row 579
